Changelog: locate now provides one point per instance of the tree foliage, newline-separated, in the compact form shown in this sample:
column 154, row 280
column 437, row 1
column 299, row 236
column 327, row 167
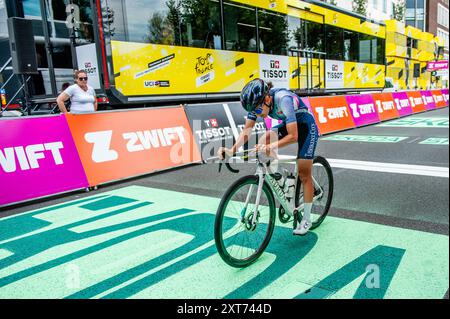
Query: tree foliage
column 399, row 11
column 360, row 6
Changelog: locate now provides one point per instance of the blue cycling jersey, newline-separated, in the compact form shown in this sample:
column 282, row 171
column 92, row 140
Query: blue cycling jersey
column 289, row 108
column 285, row 106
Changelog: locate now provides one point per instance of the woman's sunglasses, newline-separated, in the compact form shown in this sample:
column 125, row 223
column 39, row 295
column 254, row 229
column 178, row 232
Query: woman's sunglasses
column 83, row 78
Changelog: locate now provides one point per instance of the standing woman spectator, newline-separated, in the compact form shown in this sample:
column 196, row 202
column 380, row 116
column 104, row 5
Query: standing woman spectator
column 82, row 96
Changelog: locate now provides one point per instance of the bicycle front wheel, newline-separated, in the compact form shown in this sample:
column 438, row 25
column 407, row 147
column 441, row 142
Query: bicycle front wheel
column 323, row 191
column 239, row 241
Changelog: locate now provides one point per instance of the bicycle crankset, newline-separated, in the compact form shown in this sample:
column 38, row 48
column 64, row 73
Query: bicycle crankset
column 282, row 216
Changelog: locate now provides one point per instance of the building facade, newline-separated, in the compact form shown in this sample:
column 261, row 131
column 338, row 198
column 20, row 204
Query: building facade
column 430, row 16
column 376, row 9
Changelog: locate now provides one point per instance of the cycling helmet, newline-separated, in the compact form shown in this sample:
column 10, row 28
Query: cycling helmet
column 253, row 94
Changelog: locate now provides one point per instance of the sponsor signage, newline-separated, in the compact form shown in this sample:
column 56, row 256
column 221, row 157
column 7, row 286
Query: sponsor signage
column 37, row 158
column 385, row 106
column 275, row 69
column 240, row 116
column 416, row 101
column 331, row 113
column 438, row 98
column 445, row 96
column 216, row 125
column 363, row 109
column 87, row 61
column 118, row 145
column 402, row 103
column 428, row 100
column 334, row 74
column 211, row 128
column 437, row 65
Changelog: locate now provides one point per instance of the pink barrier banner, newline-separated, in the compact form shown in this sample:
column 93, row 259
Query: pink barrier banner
column 363, row 110
column 37, row 158
column 428, row 100
column 438, row 98
column 445, row 95
column 402, row 103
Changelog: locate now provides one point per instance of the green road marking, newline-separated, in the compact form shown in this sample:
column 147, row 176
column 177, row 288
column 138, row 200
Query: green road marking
column 159, row 244
column 209, row 268
column 81, row 273
column 438, row 122
column 5, row 253
column 365, row 138
column 435, row 141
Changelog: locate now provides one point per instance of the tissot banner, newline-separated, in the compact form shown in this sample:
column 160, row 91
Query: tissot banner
column 37, row 158
column 87, row 61
column 334, row 74
column 216, row 125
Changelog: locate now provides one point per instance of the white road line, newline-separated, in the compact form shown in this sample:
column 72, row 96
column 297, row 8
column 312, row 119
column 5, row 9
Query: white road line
column 434, row 171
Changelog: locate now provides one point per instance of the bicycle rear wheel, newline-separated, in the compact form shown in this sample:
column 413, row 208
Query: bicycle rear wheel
column 323, row 194
column 238, row 242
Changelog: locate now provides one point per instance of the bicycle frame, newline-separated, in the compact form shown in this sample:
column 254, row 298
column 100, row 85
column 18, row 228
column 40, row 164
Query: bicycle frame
column 289, row 207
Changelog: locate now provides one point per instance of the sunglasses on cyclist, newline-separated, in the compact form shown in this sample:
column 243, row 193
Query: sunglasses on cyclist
column 83, row 78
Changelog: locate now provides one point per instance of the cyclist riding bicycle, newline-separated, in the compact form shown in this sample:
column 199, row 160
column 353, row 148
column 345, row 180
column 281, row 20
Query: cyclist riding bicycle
column 260, row 99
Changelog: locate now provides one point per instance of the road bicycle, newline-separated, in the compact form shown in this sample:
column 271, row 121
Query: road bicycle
column 245, row 218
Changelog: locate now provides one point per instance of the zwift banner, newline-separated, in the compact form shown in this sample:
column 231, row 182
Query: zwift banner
column 118, row 145
column 363, row 110
column 37, row 158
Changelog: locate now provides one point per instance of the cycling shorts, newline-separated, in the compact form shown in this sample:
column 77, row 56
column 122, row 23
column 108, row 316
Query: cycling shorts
column 308, row 135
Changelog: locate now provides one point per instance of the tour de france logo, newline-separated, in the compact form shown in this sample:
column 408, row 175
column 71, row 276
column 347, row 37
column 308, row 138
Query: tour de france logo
column 204, row 68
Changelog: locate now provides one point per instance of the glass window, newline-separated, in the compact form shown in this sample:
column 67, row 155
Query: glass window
column 295, row 32
column 194, row 23
column 85, row 30
column 31, row 8
column 273, row 33
column 201, row 27
column 410, row 14
column 3, row 23
column 381, row 43
column 377, row 49
column 334, row 38
column 240, row 28
column 314, row 36
column 350, row 46
column 364, row 48
column 411, row 23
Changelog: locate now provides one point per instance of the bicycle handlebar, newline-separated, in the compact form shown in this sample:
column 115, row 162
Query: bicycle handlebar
column 244, row 154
